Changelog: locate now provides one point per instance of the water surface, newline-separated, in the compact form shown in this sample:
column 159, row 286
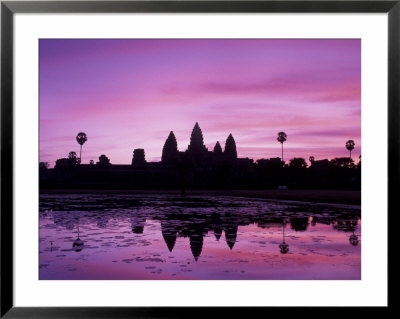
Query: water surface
column 119, row 236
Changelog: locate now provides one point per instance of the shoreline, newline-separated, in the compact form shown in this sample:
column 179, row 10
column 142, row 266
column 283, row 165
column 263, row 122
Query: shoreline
column 349, row 197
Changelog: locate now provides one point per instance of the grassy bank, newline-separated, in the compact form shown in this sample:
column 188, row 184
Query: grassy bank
column 317, row 196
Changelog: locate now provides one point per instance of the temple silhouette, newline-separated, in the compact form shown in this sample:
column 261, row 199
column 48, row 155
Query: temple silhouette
column 196, row 152
column 200, row 168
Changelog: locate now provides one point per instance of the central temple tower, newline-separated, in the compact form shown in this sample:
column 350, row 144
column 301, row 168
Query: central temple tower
column 196, row 146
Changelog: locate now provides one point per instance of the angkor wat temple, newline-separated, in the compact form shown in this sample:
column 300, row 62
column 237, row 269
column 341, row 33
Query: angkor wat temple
column 196, row 168
column 197, row 152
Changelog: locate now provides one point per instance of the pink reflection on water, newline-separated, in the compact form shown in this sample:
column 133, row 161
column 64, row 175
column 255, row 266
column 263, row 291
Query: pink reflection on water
column 119, row 246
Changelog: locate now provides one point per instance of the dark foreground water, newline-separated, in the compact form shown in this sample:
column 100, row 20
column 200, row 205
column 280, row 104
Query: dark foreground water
column 115, row 236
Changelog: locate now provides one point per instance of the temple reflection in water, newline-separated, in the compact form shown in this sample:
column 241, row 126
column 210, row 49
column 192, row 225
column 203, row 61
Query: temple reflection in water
column 194, row 218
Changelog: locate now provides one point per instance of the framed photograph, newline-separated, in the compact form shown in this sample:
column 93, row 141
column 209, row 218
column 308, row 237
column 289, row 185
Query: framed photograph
column 165, row 157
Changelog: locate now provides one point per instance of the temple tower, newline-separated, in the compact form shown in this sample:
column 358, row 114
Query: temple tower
column 138, row 159
column 196, row 146
column 170, row 149
column 230, row 148
column 217, row 148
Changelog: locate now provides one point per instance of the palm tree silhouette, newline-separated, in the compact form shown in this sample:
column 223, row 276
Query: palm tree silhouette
column 81, row 138
column 281, row 138
column 353, row 239
column 283, row 246
column 78, row 243
column 350, row 146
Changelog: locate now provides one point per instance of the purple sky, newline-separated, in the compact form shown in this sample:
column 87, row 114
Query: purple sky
column 128, row 94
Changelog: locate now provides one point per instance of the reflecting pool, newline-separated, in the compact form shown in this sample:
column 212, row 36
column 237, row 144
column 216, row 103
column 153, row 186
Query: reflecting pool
column 120, row 236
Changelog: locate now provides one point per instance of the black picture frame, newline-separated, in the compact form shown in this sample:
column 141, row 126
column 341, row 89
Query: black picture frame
column 9, row 8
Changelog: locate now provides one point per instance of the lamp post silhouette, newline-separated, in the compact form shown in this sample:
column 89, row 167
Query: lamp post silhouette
column 283, row 246
column 81, row 138
column 282, row 137
column 350, row 146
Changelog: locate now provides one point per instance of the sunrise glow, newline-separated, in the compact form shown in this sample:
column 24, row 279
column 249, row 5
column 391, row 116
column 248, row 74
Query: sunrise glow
column 127, row 94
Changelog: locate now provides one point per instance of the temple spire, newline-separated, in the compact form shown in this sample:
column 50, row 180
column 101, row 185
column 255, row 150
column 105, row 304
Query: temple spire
column 170, row 149
column 230, row 148
column 196, row 140
column 217, row 148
